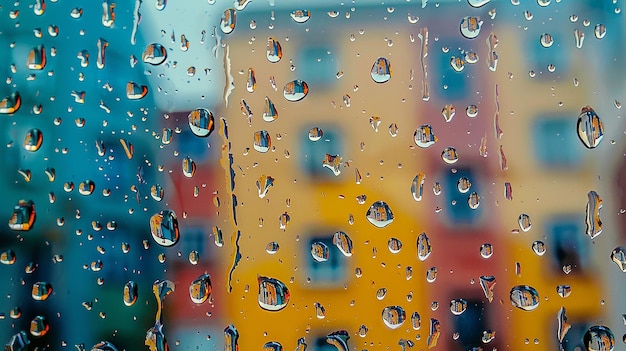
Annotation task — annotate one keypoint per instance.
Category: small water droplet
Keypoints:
(380, 214)
(381, 70)
(273, 294)
(154, 54)
(458, 306)
(470, 27)
(228, 21)
(524, 297)
(423, 247)
(200, 289)
(343, 242)
(23, 217)
(488, 283)
(39, 326)
(262, 141)
(431, 274)
(618, 255)
(300, 16)
(201, 122)
(272, 247)
(135, 91)
(599, 338)
(164, 228)
(424, 136)
(486, 250)
(563, 290)
(394, 245)
(524, 222)
(449, 155)
(539, 248)
(393, 316)
(320, 251)
(546, 40)
(274, 51)
(130, 294)
(592, 215)
(33, 140)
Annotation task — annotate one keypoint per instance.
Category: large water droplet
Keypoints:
(320, 251)
(41, 291)
(188, 167)
(381, 70)
(600, 30)
(200, 289)
(320, 311)
(164, 228)
(18, 342)
(449, 155)
(154, 54)
(8, 257)
(231, 338)
(379, 214)
(524, 222)
(423, 247)
(592, 215)
(10, 104)
(130, 294)
(563, 290)
(339, 339)
(33, 140)
(295, 90)
(135, 91)
(618, 255)
(273, 294)
(458, 306)
(39, 326)
(546, 40)
(524, 297)
(486, 250)
(157, 192)
(539, 248)
(273, 50)
(343, 243)
(263, 185)
(470, 27)
(393, 316)
(270, 113)
(394, 245)
(228, 21)
(590, 128)
(315, 133)
(599, 338)
(262, 141)
(424, 136)
(23, 217)
(201, 122)
(87, 187)
(36, 58)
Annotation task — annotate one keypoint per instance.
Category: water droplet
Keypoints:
(590, 127)
(332, 162)
(546, 40)
(228, 21)
(434, 333)
(36, 58)
(381, 70)
(375, 122)
(39, 326)
(273, 294)
(539, 247)
(154, 54)
(563, 290)
(272, 346)
(449, 155)
(423, 247)
(320, 251)
(10, 104)
(339, 339)
(486, 250)
(23, 217)
(320, 311)
(470, 27)
(33, 140)
(262, 141)
(592, 215)
(343, 243)
(471, 111)
(272, 247)
(478, 3)
(618, 255)
(41, 291)
(524, 297)
(201, 122)
(463, 185)
(524, 222)
(424, 136)
(270, 113)
(393, 316)
(87, 187)
(164, 228)
(315, 133)
(599, 338)
(563, 326)
(200, 289)
(273, 50)
(487, 283)
(458, 306)
(431, 274)
(473, 200)
(448, 112)
(394, 245)
(300, 16)
(600, 31)
(18, 342)
(157, 192)
(458, 65)
(295, 90)
(8, 257)
(130, 294)
(417, 186)
(135, 91)
(263, 185)
(379, 214)
(188, 167)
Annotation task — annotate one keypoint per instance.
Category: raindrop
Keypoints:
(473, 200)
(135, 91)
(300, 16)
(487, 283)
(273, 294)
(599, 338)
(41, 291)
(471, 111)
(458, 306)
(273, 51)
(23, 217)
(592, 215)
(201, 122)
(157, 192)
(417, 186)
(18, 342)
(164, 228)
(546, 40)
(315, 133)
(618, 255)
(295, 90)
(320, 311)
(524, 297)
(343, 243)
(270, 113)
(590, 128)
(449, 155)
(10, 104)
(539, 248)
(103, 346)
(600, 31)
(393, 316)
(424, 136)
(36, 58)
(188, 167)
(332, 162)
(272, 247)
(320, 251)
(379, 214)
(87, 187)
(33, 140)
(431, 274)
(339, 339)
(263, 185)
(524, 222)
(486, 250)
(423, 247)
(394, 245)
(381, 293)
(470, 27)
(262, 141)
(228, 21)
(130, 294)
(39, 326)
(448, 112)
(563, 290)
(478, 3)
(200, 289)
(381, 70)
(416, 321)
(154, 54)
(8, 257)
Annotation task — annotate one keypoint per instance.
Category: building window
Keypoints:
(313, 153)
(568, 243)
(471, 324)
(554, 142)
(457, 207)
(331, 271)
(319, 65)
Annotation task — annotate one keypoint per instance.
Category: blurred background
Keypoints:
(355, 175)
